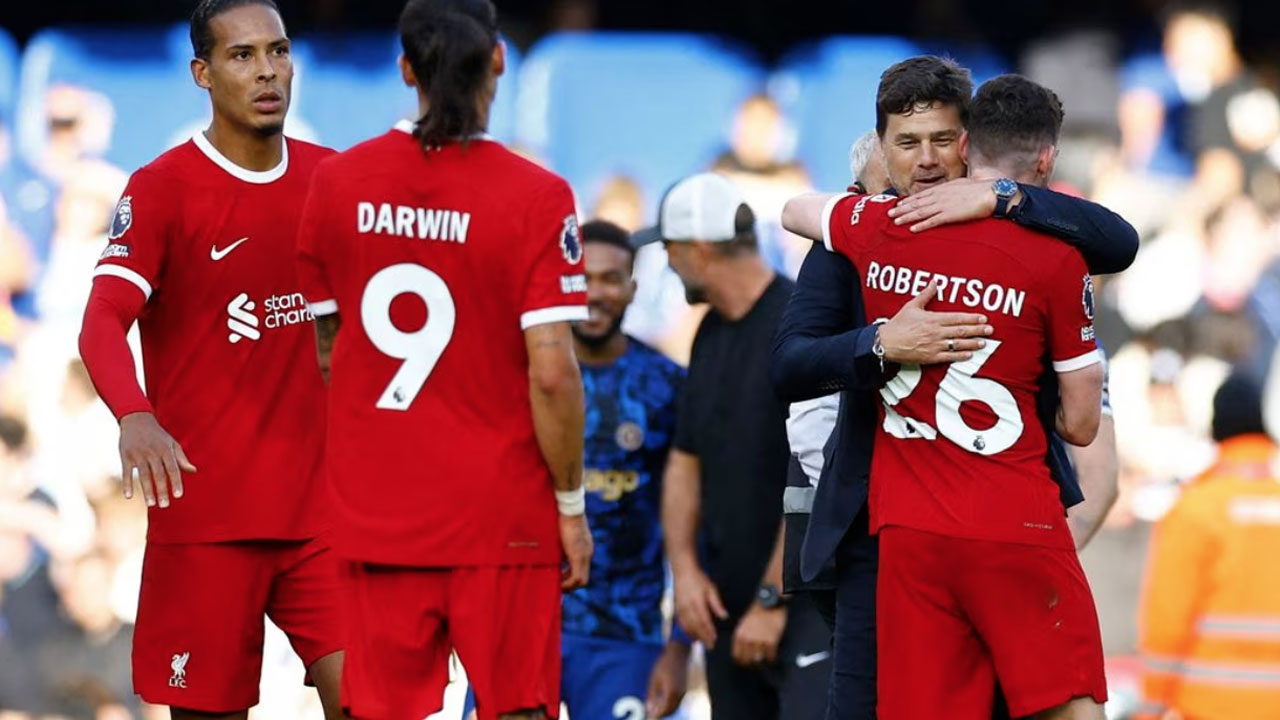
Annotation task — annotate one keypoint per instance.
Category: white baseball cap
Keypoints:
(699, 207)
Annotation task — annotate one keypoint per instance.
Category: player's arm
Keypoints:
(555, 393)
(123, 283)
(806, 215)
(326, 327)
(1108, 242)
(696, 597)
(1066, 289)
(756, 639)
(1079, 412)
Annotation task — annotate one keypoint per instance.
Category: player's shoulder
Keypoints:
(520, 171)
(177, 162)
(1036, 252)
(653, 358)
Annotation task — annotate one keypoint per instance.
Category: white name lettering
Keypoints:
(991, 297)
(413, 222)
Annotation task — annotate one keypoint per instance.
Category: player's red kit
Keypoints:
(436, 262)
(200, 252)
(978, 573)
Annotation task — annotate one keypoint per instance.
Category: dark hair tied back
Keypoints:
(449, 45)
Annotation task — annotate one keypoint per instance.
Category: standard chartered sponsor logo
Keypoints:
(277, 311)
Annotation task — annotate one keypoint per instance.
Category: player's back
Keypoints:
(437, 261)
(961, 448)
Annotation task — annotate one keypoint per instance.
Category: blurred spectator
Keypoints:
(16, 271)
(621, 202)
(79, 126)
(1211, 602)
(760, 161)
(28, 532)
(1235, 122)
(86, 665)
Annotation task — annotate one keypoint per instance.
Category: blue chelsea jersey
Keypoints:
(630, 420)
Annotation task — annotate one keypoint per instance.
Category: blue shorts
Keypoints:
(603, 679)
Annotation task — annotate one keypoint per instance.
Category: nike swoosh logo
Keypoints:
(215, 254)
(804, 661)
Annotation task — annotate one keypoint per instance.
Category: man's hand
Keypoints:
(955, 201)
(575, 538)
(755, 641)
(157, 457)
(697, 599)
(668, 681)
(916, 336)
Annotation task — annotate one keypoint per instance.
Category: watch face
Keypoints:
(1004, 187)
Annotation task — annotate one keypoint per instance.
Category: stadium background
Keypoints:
(621, 98)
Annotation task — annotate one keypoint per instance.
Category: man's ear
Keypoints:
(499, 58)
(406, 72)
(964, 147)
(1046, 161)
(200, 73)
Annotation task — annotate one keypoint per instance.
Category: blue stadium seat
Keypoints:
(8, 77)
(143, 72)
(650, 106)
(348, 88)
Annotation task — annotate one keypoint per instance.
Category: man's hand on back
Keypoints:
(916, 336)
(158, 458)
(575, 538)
(955, 201)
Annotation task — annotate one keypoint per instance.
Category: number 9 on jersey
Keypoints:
(421, 349)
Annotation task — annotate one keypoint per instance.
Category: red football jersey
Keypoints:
(961, 450)
(228, 349)
(436, 263)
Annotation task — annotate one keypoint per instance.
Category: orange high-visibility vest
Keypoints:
(1210, 616)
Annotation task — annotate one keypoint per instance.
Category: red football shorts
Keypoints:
(954, 615)
(504, 623)
(197, 644)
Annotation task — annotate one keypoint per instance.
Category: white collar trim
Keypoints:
(408, 126)
(250, 176)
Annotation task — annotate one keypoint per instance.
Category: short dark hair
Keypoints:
(205, 12)
(1011, 115)
(605, 232)
(448, 43)
(922, 80)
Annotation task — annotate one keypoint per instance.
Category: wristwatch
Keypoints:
(769, 596)
(1005, 189)
(877, 347)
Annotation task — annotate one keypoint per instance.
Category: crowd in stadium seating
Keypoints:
(1184, 142)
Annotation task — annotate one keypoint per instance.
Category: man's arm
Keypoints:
(556, 396)
(697, 599)
(1107, 242)
(1098, 468)
(326, 332)
(1080, 404)
(756, 639)
(145, 447)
